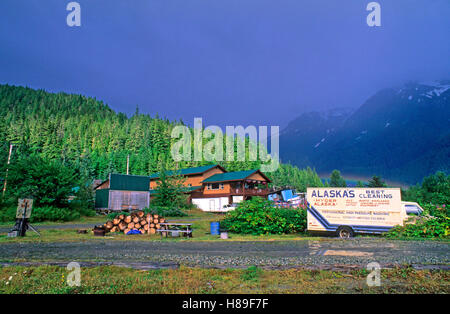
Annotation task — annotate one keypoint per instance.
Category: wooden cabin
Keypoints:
(193, 176)
(230, 187)
(209, 187)
(212, 187)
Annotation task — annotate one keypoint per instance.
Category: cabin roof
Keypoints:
(234, 176)
(187, 171)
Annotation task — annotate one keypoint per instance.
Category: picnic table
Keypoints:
(174, 228)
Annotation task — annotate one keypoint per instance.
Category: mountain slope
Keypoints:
(302, 136)
(401, 134)
(86, 134)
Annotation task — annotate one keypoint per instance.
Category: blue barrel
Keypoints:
(215, 228)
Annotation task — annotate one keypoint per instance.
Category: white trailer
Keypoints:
(346, 211)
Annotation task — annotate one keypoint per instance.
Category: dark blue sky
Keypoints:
(260, 62)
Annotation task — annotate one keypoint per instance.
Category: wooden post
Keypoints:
(7, 168)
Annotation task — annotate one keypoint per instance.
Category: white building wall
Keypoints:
(211, 204)
(237, 199)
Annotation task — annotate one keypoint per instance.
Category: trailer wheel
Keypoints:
(344, 232)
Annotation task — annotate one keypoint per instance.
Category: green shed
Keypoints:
(123, 192)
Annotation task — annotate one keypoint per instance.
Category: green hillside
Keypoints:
(86, 135)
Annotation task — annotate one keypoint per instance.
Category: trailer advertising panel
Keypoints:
(364, 210)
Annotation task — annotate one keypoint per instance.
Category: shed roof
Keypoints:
(233, 176)
(128, 182)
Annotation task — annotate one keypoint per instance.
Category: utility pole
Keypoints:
(7, 168)
(128, 164)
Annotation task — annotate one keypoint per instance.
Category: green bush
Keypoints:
(81, 209)
(49, 213)
(435, 189)
(430, 228)
(84, 200)
(48, 182)
(436, 211)
(190, 206)
(8, 214)
(296, 219)
(84, 197)
(437, 226)
(258, 216)
(165, 211)
(86, 212)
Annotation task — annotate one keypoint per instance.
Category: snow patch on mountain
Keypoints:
(438, 88)
(321, 141)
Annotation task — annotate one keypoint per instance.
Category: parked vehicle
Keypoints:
(412, 208)
(347, 211)
(229, 207)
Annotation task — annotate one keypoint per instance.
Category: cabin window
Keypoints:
(215, 186)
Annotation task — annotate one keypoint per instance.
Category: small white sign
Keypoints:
(25, 205)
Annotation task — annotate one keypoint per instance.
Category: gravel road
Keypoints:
(48, 227)
(270, 254)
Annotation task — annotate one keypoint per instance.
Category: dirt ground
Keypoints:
(224, 254)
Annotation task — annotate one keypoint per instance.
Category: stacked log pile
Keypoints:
(145, 223)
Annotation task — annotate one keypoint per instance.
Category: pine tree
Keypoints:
(359, 184)
(47, 182)
(336, 180)
(376, 182)
(169, 190)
